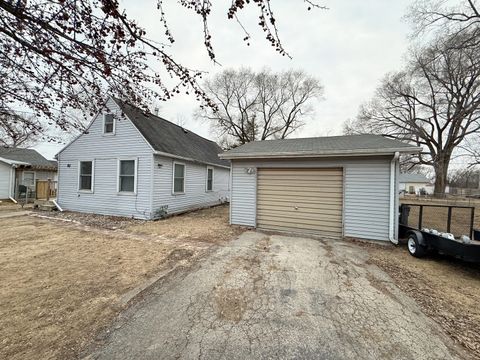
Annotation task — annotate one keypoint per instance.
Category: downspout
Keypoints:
(391, 230)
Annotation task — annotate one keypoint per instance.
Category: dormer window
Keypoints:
(108, 124)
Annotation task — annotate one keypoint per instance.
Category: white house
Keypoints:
(20, 169)
(415, 184)
(339, 186)
(136, 164)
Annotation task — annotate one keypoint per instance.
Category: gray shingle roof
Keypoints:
(29, 156)
(415, 178)
(170, 138)
(331, 145)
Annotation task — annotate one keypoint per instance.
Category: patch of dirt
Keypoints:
(180, 254)
(231, 304)
(447, 290)
(8, 206)
(100, 221)
(208, 225)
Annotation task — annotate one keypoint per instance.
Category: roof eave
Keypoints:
(161, 153)
(356, 152)
(14, 162)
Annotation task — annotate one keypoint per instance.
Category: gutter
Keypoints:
(160, 153)
(391, 230)
(356, 152)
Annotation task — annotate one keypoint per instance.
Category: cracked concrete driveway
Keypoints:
(270, 296)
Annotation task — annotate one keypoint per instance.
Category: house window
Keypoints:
(209, 179)
(178, 178)
(29, 179)
(108, 124)
(86, 175)
(126, 176)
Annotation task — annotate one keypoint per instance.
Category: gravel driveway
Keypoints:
(271, 296)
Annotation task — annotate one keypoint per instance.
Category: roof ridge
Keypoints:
(323, 137)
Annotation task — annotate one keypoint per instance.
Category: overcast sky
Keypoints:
(349, 47)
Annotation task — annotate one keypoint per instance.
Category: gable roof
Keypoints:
(321, 146)
(171, 139)
(413, 178)
(27, 157)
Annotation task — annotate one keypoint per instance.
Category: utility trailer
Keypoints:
(460, 239)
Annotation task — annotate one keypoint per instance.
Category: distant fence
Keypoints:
(458, 220)
(447, 199)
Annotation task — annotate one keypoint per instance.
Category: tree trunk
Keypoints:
(441, 172)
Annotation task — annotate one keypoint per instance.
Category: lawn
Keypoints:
(63, 281)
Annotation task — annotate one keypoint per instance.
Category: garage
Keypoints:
(300, 200)
(333, 187)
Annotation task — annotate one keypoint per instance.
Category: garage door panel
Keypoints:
(294, 201)
(319, 217)
(290, 205)
(336, 194)
(303, 171)
(300, 186)
(316, 194)
(335, 210)
(301, 228)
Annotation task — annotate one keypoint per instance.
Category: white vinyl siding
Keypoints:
(106, 151)
(243, 194)
(366, 192)
(195, 178)
(5, 180)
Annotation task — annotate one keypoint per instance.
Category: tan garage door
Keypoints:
(300, 200)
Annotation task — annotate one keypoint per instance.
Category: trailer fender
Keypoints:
(418, 235)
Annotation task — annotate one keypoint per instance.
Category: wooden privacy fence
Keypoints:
(45, 189)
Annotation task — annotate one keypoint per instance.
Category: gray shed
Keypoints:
(339, 186)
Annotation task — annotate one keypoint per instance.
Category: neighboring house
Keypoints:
(414, 183)
(129, 163)
(23, 167)
(328, 186)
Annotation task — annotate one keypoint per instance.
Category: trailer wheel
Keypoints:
(414, 247)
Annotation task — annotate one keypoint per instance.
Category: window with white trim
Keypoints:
(85, 175)
(209, 179)
(178, 178)
(126, 176)
(108, 124)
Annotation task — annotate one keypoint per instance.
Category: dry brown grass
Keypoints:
(446, 289)
(209, 225)
(436, 217)
(61, 282)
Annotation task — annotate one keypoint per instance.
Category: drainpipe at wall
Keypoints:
(391, 230)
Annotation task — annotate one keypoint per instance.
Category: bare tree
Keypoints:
(253, 106)
(434, 103)
(19, 129)
(57, 56)
(442, 17)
